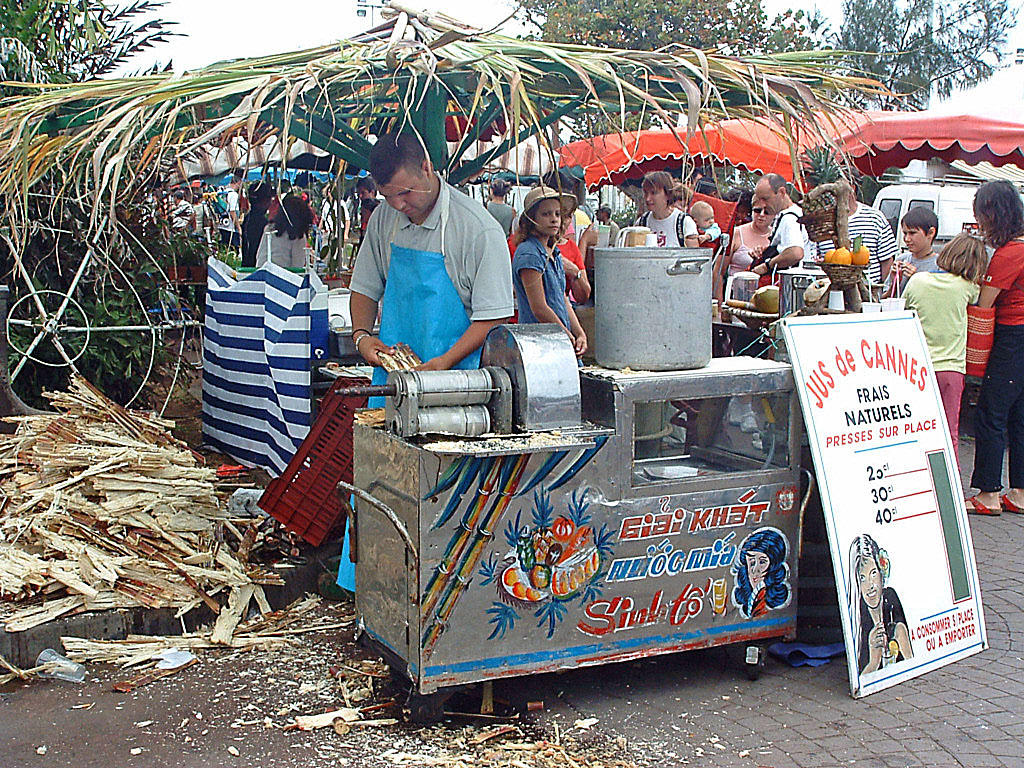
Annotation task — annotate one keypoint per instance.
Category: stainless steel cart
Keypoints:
(667, 519)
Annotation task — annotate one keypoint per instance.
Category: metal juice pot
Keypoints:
(792, 284)
(653, 308)
(741, 286)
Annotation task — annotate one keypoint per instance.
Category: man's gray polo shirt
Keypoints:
(475, 253)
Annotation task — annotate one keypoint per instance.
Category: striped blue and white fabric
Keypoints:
(263, 331)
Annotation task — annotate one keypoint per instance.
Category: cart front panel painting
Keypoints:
(581, 554)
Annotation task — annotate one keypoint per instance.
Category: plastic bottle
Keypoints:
(63, 668)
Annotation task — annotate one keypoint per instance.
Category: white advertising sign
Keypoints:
(894, 507)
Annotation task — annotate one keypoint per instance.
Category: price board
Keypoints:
(890, 489)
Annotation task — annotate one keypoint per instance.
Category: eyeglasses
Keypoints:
(759, 210)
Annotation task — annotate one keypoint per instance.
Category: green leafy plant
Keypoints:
(229, 256)
(626, 216)
(74, 40)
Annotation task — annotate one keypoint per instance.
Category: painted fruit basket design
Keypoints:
(551, 562)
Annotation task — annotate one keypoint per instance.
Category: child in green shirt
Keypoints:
(941, 300)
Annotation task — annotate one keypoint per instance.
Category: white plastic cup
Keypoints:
(651, 241)
(893, 305)
(62, 667)
(835, 300)
(870, 306)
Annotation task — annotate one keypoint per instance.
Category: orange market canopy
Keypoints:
(618, 157)
(874, 141)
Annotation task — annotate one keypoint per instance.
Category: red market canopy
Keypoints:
(874, 141)
(885, 140)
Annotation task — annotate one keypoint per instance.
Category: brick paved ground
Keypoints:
(696, 706)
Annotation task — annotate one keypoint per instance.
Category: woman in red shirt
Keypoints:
(576, 283)
(1000, 214)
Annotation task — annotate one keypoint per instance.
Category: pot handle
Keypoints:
(685, 267)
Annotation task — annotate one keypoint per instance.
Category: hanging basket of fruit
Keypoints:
(827, 212)
(820, 218)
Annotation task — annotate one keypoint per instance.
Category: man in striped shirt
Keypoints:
(873, 229)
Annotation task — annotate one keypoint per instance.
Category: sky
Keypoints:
(215, 30)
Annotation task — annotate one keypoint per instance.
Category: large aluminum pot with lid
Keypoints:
(652, 308)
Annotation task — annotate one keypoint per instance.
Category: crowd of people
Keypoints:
(263, 221)
(430, 263)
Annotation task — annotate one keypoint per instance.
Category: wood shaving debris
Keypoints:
(370, 417)
(270, 631)
(105, 509)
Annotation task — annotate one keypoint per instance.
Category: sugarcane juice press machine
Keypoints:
(576, 517)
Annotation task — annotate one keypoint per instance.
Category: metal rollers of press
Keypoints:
(465, 403)
(528, 381)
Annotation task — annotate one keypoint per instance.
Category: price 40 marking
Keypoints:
(885, 515)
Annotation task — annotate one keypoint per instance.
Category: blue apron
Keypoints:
(420, 305)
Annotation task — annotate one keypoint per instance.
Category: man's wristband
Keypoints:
(356, 338)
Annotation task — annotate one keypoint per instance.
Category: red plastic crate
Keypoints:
(303, 498)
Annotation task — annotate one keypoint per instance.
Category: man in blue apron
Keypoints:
(434, 261)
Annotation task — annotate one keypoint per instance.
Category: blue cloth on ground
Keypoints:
(803, 655)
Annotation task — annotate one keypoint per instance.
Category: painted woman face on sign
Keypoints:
(757, 566)
(870, 583)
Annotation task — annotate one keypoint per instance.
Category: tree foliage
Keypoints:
(915, 45)
(74, 40)
(735, 27)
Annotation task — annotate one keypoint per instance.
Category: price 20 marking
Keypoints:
(877, 473)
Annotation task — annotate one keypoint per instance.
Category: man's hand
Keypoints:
(760, 269)
(438, 363)
(369, 347)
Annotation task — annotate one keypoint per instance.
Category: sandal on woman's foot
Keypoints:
(977, 508)
(1009, 506)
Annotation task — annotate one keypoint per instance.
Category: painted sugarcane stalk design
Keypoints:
(466, 475)
(448, 477)
(511, 474)
(581, 462)
(490, 472)
(543, 471)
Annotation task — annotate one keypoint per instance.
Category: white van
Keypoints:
(952, 203)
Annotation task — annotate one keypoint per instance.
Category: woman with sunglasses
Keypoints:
(750, 239)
